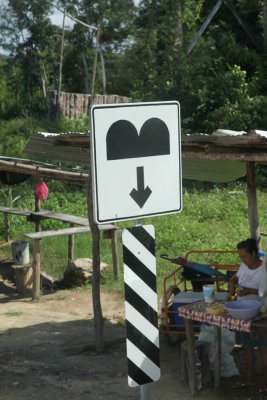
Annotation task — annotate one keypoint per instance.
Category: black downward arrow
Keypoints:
(140, 195)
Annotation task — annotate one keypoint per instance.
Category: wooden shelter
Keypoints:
(222, 156)
(225, 154)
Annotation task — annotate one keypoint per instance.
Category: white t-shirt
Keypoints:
(249, 278)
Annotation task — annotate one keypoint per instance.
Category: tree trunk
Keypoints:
(103, 71)
(86, 80)
(265, 25)
(98, 318)
(95, 65)
(180, 35)
(60, 64)
(43, 80)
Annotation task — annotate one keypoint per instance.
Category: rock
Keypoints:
(79, 272)
(47, 281)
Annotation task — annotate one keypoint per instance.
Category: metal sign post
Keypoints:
(136, 171)
(143, 392)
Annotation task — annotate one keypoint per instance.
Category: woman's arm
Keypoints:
(231, 284)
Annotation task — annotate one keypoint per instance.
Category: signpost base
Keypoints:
(143, 392)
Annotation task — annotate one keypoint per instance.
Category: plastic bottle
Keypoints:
(198, 371)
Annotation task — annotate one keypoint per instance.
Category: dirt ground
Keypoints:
(43, 352)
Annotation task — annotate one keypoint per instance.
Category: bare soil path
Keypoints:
(44, 356)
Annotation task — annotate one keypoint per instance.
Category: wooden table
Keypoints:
(197, 312)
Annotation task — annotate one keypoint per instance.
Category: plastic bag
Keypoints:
(228, 367)
(41, 190)
(263, 283)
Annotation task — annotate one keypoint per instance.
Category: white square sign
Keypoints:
(136, 160)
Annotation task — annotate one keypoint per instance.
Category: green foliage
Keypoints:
(14, 133)
(221, 83)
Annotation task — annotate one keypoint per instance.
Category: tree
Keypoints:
(28, 35)
(208, 79)
(114, 21)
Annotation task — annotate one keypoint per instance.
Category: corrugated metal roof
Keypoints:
(67, 147)
(212, 170)
(216, 157)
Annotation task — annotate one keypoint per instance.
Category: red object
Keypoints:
(41, 191)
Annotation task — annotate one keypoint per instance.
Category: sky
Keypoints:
(57, 19)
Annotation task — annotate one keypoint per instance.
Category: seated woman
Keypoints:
(248, 279)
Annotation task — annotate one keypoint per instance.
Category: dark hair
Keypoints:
(250, 245)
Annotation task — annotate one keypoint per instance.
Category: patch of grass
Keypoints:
(13, 313)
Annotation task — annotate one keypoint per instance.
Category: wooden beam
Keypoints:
(77, 178)
(252, 201)
(217, 155)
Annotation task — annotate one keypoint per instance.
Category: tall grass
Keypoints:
(214, 218)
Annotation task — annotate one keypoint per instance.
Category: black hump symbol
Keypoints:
(123, 140)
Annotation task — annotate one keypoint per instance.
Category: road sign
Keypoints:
(136, 160)
(141, 305)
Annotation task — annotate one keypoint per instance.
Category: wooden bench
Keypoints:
(37, 236)
(47, 214)
(36, 251)
(110, 231)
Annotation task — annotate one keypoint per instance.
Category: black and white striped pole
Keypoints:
(141, 306)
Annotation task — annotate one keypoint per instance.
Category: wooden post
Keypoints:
(36, 265)
(191, 355)
(252, 201)
(115, 257)
(217, 370)
(6, 227)
(71, 247)
(98, 317)
(37, 207)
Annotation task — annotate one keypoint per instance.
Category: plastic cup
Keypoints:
(208, 292)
